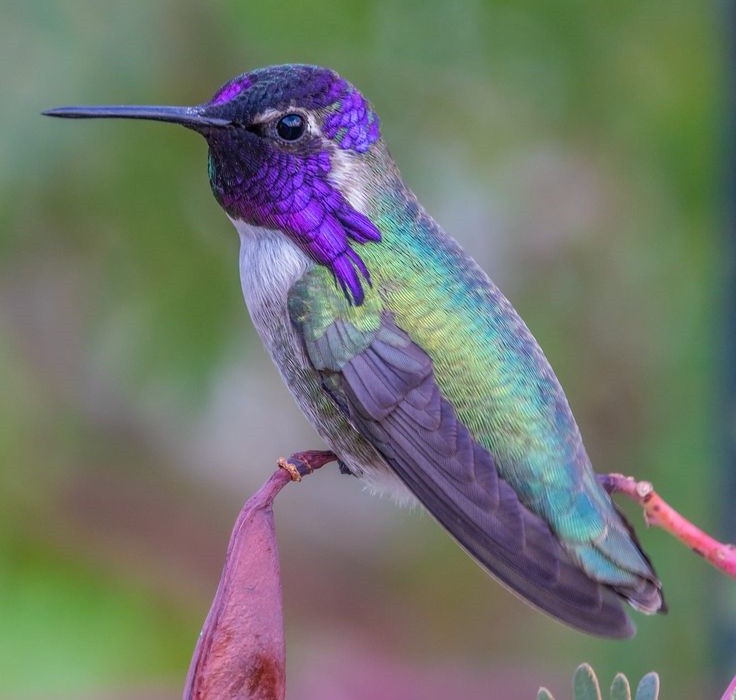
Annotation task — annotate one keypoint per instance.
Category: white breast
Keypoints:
(269, 264)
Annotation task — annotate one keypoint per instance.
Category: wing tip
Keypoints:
(610, 621)
(626, 629)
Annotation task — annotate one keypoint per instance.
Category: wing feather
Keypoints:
(386, 384)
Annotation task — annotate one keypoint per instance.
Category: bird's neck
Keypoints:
(270, 261)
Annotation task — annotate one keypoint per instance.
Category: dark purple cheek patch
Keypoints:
(292, 193)
(353, 125)
(231, 90)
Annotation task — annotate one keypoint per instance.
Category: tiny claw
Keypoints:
(303, 463)
(292, 469)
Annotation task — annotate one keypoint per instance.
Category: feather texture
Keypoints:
(391, 396)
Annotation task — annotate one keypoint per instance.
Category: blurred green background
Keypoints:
(574, 148)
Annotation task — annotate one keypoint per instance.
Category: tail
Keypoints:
(618, 561)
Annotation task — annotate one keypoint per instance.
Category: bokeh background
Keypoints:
(576, 149)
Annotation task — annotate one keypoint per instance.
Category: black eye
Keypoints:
(290, 127)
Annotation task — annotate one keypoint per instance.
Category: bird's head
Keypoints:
(291, 148)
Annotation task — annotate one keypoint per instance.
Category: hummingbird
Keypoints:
(409, 362)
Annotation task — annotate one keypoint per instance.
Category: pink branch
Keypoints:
(730, 693)
(240, 652)
(659, 513)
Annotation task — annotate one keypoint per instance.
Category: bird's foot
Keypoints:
(302, 463)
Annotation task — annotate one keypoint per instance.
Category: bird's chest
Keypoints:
(269, 265)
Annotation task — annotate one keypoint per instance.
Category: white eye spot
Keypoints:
(348, 175)
(266, 116)
(313, 127)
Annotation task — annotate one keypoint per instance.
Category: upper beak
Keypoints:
(191, 117)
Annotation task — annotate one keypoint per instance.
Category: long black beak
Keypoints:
(191, 117)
